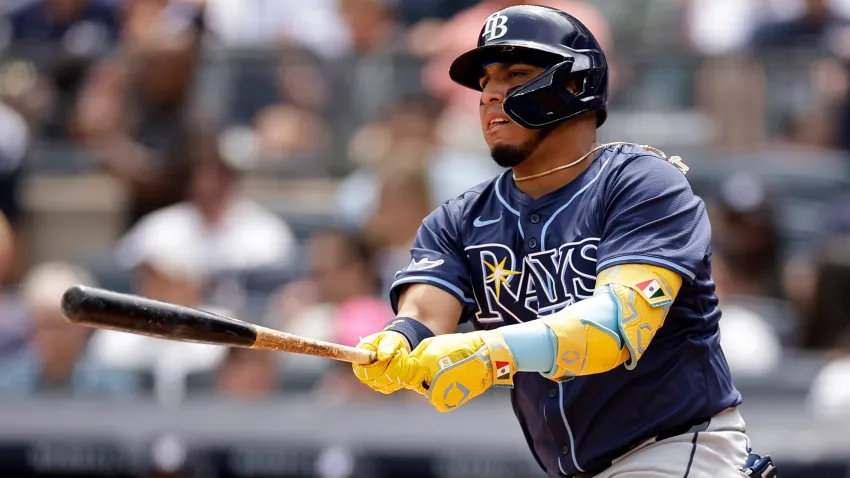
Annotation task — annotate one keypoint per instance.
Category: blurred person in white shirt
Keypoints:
(167, 266)
(315, 24)
(230, 231)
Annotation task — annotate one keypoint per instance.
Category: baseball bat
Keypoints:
(105, 309)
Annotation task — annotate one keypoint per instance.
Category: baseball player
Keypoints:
(586, 270)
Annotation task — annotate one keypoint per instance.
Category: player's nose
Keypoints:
(493, 94)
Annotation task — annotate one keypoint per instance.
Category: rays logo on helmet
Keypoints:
(495, 27)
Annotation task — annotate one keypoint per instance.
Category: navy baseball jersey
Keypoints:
(510, 258)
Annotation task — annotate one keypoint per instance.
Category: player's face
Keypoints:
(510, 144)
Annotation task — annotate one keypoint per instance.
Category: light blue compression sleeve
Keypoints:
(533, 344)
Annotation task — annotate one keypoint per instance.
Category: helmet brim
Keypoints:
(466, 70)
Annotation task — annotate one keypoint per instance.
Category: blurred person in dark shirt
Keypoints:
(818, 285)
(62, 39)
(810, 29)
(376, 37)
(135, 111)
(746, 238)
(829, 327)
(745, 263)
(96, 21)
(56, 358)
(411, 12)
(15, 140)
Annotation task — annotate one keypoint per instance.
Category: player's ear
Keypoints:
(575, 83)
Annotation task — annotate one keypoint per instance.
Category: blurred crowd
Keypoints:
(181, 103)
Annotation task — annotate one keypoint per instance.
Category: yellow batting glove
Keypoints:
(452, 369)
(384, 375)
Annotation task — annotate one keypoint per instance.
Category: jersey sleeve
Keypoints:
(437, 258)
(653, 217)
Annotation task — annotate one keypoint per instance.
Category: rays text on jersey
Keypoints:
(511, 290)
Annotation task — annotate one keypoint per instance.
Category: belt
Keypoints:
(675, 431)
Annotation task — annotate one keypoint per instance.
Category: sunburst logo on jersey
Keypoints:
(499, 274)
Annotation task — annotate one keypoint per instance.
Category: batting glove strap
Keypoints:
(504, 364)
(413, 330)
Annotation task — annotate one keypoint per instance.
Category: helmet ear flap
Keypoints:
(543, 100)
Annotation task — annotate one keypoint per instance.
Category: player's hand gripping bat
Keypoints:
(104, 309)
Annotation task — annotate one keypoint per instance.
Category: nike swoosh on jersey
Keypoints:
(478, 222)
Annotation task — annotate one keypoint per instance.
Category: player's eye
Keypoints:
(483, 82)
(517, 73)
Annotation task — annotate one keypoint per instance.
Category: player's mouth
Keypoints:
(496, 122)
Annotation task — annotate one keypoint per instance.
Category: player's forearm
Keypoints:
(534, 344)
(435, 308)
(597, 334)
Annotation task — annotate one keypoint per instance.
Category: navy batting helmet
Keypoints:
(545, 37)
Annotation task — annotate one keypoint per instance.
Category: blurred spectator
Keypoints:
(717, 27)
(56, 359)
(829, 395)
(745, 238)
(7, 249)
(745, 245)
(227, 231)
(135, 111)
(403, 202)
(829, 319)
(751, 345)
(829, 329)
(415, 13)
(409, 136)
(356, 318)
(341, 276)
(372, 26)
(168, 266)
(286, 132)
(316, 25)
(362, 83)
(247, 373)
(301, 81)
(62, 38)
(15, 142)
(810, 28)
(813, 282)
(77, 26)
(14, 322)
(277, 107)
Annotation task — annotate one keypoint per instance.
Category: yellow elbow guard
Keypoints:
(642, 295)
